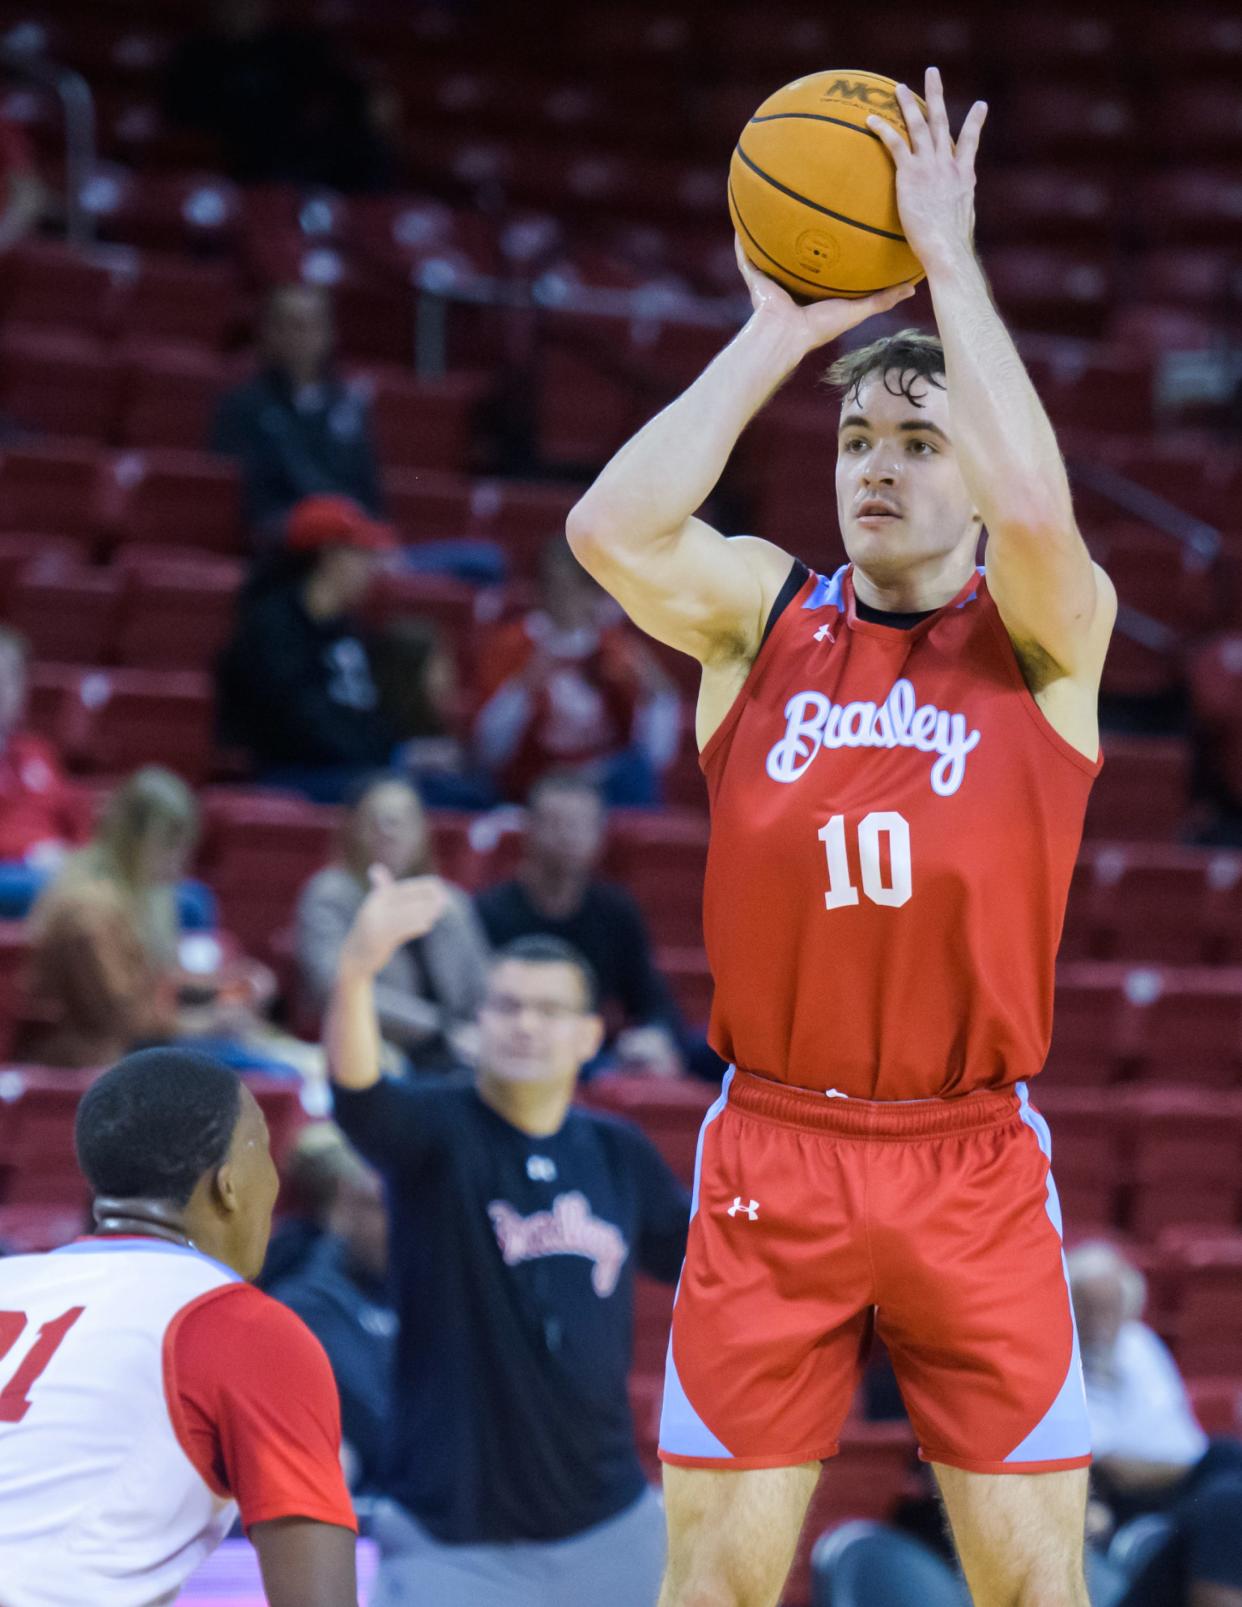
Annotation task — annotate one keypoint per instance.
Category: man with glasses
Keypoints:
(517, 1224)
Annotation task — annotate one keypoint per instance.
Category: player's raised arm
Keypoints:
(393, 913)
(635, 530)
(1053, 600)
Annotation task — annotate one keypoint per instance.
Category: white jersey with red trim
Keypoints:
(99, 1503)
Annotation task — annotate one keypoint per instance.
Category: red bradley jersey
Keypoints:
(894, 828)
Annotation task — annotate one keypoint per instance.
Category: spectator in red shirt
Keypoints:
(571, 686)
(40, 817)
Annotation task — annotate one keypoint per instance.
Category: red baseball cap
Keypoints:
(325, 521)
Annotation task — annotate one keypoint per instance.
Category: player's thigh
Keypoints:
(1019, 1535)
(732, 1535)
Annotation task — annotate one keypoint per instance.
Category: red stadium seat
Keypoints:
(170, 396)
(661, 859)
(1205, 1277)
(1152, 904)
(450, 603)
(424, 423)
(1217, 1403)
(195, 213)
(141, 717)
(1068, 290)
(66, 384)
(1143, 790)
(521, 516)
(30, 1228)
(1198, 276)
(183, 499)
(69, 614)
(63, 286)
(181, 302)
(1046, 117)
(1187, 1025)
(176, 615)
(18, 550)
(41, 1163)
(52, 488)
(1192, 204)
(1087, 1159)
(1089, 1040)
(259, 849)
(1038, 204)
(1185, 1159)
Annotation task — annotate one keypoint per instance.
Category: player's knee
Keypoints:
(1048, 1582)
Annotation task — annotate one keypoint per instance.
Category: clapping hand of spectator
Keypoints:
(393, 913)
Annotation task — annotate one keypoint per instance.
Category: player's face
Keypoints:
(901, 498)
(256, 1183)
(535, 1024)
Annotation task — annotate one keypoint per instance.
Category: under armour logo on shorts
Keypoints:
(751, 1208)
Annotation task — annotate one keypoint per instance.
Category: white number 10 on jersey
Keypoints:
(871, 828)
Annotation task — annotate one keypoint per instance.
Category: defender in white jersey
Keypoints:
(147, 1391)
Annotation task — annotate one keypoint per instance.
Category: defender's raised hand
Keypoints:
(819, 322)
(935, 174)
(392, 914)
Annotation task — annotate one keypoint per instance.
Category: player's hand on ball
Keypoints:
(393, 913)
(935, 175)
(821, 321)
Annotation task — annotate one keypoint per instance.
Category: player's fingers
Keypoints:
(916, 123)
(746, 270)
(937, 114)
(887, 136)
(968, 139)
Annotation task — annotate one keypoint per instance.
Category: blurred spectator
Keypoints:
(518, 1223)
(429, 992)
(297, 428)
(111, 967)
(39, 814)
(281, 103)
(313, 1167)
(573, 685)
(556, 893)
(1150, 1453)
(420, 695)
(295, 686)
(341, 1294)
(22, 195)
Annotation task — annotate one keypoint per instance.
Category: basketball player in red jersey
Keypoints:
(898, 759)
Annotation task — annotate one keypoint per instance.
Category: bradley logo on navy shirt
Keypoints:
(569, 1228)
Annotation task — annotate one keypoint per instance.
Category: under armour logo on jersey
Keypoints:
(540, 1169)
(751, 1208)
(824, 634)
(814, 721)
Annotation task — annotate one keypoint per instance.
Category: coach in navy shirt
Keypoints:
(518, 1224)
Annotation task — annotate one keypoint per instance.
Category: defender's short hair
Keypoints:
(154, 1124)
(901, 360)
(540, 948)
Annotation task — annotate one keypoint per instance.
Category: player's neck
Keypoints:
(919, 589)
(535, 1108)
(146, 1219)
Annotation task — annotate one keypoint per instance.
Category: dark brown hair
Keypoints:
(902, 359)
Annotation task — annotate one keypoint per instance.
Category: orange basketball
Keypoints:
(812, 191)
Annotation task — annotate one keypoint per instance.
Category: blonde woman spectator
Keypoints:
(428, 993)
(111, 966)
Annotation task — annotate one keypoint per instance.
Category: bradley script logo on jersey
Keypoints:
(569, 1228)
(814, 721)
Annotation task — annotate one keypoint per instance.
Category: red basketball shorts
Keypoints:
(814, 1214)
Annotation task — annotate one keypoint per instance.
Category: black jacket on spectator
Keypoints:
(292, 445)
(294, 690)
(350, 1315)
(608, 928)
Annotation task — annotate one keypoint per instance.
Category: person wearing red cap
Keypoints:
(295, 685)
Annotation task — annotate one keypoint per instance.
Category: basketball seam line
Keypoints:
(837, 290)
(793, 195)
(815, 117)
